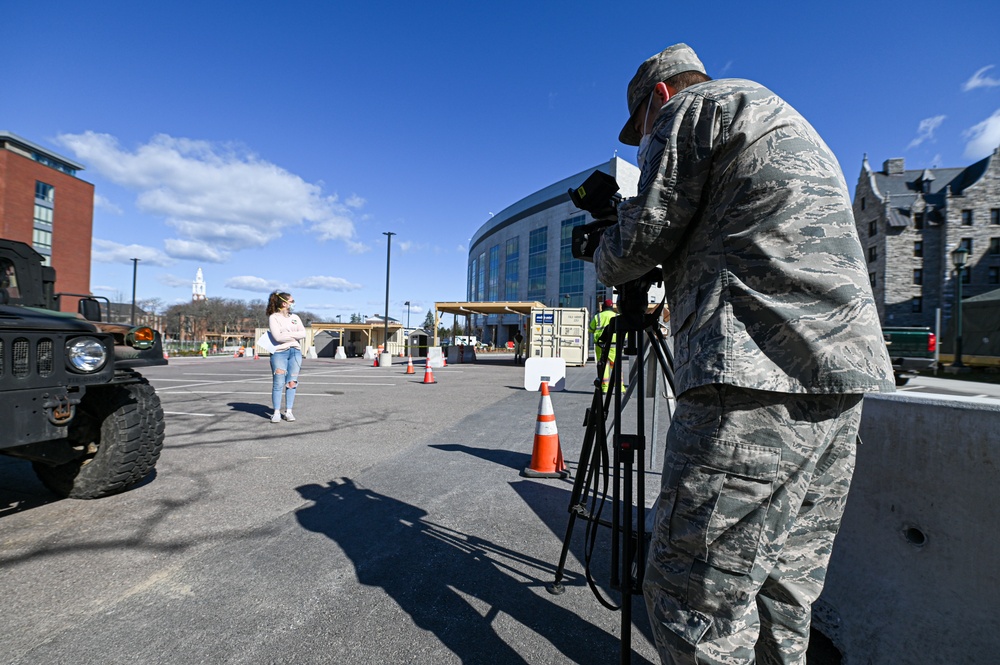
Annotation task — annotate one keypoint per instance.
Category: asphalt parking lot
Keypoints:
(388, 524)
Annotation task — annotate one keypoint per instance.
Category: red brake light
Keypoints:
(931, 342)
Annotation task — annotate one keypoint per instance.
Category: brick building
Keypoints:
(44, 203)
(909, 223)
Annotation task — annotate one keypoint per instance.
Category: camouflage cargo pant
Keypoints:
(754, 486)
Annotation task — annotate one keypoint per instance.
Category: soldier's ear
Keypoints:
(664, 92)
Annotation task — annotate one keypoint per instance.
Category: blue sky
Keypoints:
(271, 144)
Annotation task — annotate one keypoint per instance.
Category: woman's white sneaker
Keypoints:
(289, 417)
(276, 417)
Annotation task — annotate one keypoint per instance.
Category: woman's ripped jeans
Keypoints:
(285, 374)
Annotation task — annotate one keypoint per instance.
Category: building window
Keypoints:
(994, 246)
(42, 222)
(862, 203)
(967, 276)
(473, 271)
(43, 216)
(872, 279)
(966, 218)
(872, 228)
(918, 276)
(917, 305)
(510, 273)
(481, 280)
(42, 240)
(994, 275)
(45, 192)
(967, 244)
(995, 216)
(538, 245)
(493, 283)
(570, 269)
(918, 249)
(918, 221)
(872, 253)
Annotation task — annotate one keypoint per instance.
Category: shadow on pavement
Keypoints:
(426, 568)
(20, 488)
(507, 458)
(253, 409)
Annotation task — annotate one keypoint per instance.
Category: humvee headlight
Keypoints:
(85, 354)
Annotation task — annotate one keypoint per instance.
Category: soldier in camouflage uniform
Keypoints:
(776, 339)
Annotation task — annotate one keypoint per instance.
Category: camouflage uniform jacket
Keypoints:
(746, 209)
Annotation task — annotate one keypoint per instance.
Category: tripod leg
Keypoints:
(584, 476)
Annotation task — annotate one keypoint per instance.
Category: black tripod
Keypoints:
(629, 537)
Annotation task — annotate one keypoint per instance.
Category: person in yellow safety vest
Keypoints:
(597, 326)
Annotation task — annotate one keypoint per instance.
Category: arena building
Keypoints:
(523, 254)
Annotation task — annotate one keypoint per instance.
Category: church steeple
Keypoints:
(198, 287)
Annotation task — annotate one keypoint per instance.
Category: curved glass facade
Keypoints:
(524, 253)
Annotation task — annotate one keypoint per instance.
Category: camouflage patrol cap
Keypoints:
(671, 61)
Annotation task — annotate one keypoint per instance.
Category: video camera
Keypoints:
(599, 196)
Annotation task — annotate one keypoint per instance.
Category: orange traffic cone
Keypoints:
(375, 364)
(409, 365)
(546, 455)
(429, 374)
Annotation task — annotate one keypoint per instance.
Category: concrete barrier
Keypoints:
(915, 572)
(434, 357)
(550, 370)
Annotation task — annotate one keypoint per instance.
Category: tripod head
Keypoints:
(632, 318)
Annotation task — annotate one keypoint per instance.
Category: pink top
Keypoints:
(286, 330)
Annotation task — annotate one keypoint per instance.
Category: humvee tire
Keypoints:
(120, 428)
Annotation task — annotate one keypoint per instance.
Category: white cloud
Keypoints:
(101, 287)
(194, 251)
(410, 246)
(357, 247)
(462, 248)
(354, 201)
(925, 132)
(984, 137)
(251, 283)
(213, 193)
(108, 251)
(980, 80)
(329, 283)
(174, 280)
(106, 205)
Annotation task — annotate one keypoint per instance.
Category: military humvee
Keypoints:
(71, 400)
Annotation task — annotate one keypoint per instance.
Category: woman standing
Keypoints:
(286, 359)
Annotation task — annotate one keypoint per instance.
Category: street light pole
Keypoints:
(407, 303)
(388, 251)
(135, 268)
(958, 259)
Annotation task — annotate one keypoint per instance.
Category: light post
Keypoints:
(407, 303)
(135, 268)
(958, 259)
(388, 251)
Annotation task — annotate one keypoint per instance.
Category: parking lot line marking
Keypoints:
(297, 394)
(162, 379)
(182, 413)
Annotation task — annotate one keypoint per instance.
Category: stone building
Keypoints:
(909, 222)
